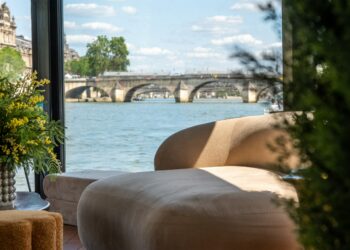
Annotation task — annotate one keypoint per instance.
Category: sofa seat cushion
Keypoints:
(210, 208)
(69, 186)
(63, 191)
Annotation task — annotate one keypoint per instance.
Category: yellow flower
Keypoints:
(35, 99)
(32, 142)
(14, 123)
(5, 150)
(22, 149)
(15, 157)
(2, 95)
(47, 140)
(10, 140)
(51, 153)
(34, 80)
(16, 106)
(41, 122)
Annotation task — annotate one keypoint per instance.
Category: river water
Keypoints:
(126, 136)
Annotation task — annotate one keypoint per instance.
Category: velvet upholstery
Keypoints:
(242, 141)
(214, 190)
(30, 230)
(63, 191)
(197, 209)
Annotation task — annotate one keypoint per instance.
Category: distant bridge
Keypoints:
(122, 88)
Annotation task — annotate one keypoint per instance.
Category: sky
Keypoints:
(165, 36)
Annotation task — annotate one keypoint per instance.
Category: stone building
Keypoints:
(24, 46)
(69, 53)
(7, 28)
(8, 38)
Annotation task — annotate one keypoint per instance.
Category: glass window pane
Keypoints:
(118, 113)
(16, 53)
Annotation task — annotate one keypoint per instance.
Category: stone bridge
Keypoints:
(122, 88)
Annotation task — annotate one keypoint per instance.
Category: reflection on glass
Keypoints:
(16, 55)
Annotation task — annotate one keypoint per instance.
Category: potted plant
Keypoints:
(27, 136)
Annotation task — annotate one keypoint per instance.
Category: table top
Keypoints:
(30, 201)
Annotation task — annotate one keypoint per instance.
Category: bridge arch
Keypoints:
(198, 87)
(129, 95)
(78, 91)
(131, 92)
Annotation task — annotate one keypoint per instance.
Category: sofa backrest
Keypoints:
(246, 141)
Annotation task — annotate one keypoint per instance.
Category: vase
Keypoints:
(7, 187)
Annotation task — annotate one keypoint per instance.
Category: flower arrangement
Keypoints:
(27, 136)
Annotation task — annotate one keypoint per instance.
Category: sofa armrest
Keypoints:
(200, 146)
(236, 142)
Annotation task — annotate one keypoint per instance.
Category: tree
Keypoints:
(11, 63)
(321, 77)
(107, 54)
(78, 67)
(320, 84)
(119, 55)
(98, 55)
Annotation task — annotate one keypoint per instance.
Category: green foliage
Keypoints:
(119, 53)
(27, 136)
(78, 67)
(321, 85)
(107, 54)
(11, 63)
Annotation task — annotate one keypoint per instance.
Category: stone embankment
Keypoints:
(99, 99)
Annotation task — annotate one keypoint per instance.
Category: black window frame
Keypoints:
(48, 62)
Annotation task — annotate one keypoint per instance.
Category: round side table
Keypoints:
(30, 201)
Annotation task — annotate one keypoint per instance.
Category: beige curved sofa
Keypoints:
(214, 189)
(233, 142)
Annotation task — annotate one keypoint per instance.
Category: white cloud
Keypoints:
(200, 52)
(275, 45)
(154, 51)
(89, 9)
(70, 25)
(217, 30)
(226, 19)
(101, 26)
(80, 39)
(241, 39)
(130, 46)
(218, 25)
(245, 6)
(129, 10)
(137, 58)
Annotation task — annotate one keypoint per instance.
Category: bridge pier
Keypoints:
(182, 93)
(250, 94)
(118, 93)
(84, 95)
(93, 93)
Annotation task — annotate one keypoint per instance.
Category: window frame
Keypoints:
(48, 62)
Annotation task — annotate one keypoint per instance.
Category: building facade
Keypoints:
(8, 38)
(69, 53)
